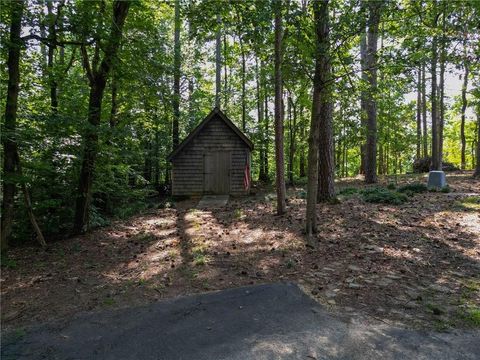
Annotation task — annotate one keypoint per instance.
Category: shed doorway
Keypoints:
(216, 165)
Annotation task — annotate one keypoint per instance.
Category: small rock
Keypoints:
(353, 285)
(331, 302)
(353, 268)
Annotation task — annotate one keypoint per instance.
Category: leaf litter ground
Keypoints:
(416, 264)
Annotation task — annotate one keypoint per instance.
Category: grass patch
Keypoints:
(435, 309)
(472, 316)
(383, 196)
(470, 203)
(413, 188)
(109, 302)
(348, 191)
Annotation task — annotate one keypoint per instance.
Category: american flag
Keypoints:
(246, 174)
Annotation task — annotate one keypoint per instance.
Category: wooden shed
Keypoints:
(213, 159)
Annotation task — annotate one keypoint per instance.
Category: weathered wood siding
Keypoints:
(188, 165)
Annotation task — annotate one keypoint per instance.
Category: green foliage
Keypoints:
(413, 188)
(383, 196)
(391, 186)
(348, 191)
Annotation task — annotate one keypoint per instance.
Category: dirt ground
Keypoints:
(415, 264)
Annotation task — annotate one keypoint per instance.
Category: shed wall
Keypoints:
(187, 166)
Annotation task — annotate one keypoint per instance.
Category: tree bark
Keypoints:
(476, 174)
(464, 104)
(260, 113)
(8, 134)
(52, 36)
(436, 164)
(370, 104)
(279, 145)
(441, 90)
(176, 77)
(363, 97)
(218, 63)
(320, 12)
(98, 79)
(302, 171)
(267, 136)
(424, 113)
(326, 166)
(419, 115)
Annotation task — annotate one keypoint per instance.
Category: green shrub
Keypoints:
(413, 188)
(446, 189)
(391, 186)
(348, 191)
(383, 196)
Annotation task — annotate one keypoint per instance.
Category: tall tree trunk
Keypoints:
(419, 115)
(260, 113)
(8, 135)
(218, 63)
(97, 79)
(477, 163)
(363, 97)
(302, 170)
(441, 90)
(292, 114)
(279, 150)
(371, 105)
(321, 21)
(225, 72)
(436, 164)
(424, 113)
(267, 136)
(52, 36)
(176, 77)
(464, 103)
(244, 91)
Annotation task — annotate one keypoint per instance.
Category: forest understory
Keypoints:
(415, 264)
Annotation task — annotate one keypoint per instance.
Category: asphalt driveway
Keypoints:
(274, 321)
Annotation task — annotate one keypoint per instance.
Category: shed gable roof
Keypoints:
(198, 129)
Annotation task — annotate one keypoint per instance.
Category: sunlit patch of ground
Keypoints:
(417, 264)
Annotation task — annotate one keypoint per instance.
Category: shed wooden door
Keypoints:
(217, 172)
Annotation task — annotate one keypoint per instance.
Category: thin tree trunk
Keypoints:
(225, 72)
(424, 113)
(371, 105)
(28, 204)
(302, 170)
(293, 147)
(176, 77)
(218, 63)
(477, 163)
(441, 91)
(52, 36)
(363, 98)
(260, 113)
(279, 150)
(8, 134)
(244, 91)
(464, 105)
(267, 136)
(98, 79)
(419, 114)
(436, 165)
